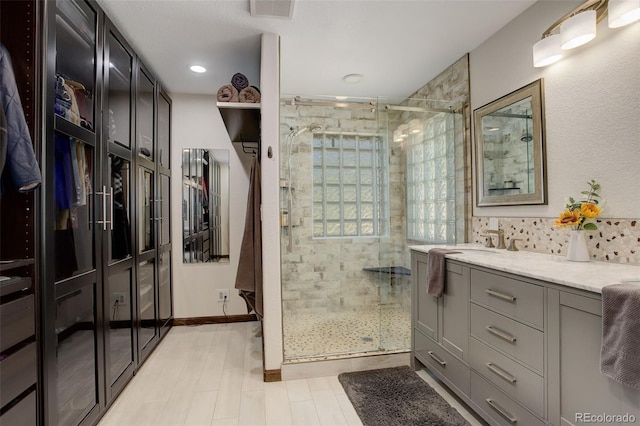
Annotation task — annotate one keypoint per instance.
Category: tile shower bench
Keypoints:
(517, 335)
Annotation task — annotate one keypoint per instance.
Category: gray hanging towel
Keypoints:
(619, 356)
(436, 273)
(249, 276)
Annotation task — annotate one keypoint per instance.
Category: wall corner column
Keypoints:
(270, 134)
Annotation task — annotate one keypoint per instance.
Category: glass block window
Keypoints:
(349, 185)
(431, 181)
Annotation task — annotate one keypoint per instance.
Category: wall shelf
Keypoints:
(242, 121)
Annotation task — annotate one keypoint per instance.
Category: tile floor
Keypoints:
(212, 375)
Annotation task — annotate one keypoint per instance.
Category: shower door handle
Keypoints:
(290, 227)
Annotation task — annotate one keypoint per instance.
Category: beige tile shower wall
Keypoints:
(616, 240)
(325, 275)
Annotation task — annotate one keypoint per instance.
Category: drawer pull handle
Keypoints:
(501, 334)
(438, 360)
(500, 372)
(504, 413)
(500, 295)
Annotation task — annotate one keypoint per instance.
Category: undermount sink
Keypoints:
(479, 249)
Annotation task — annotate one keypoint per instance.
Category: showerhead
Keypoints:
(313, 127)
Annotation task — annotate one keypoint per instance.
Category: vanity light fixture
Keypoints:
(547, 51)
(579, 27)
(578, 30)
(415, 126)
(199, 69)
(623, 12)
(403, 130)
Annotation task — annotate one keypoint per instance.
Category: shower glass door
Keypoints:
(426, 177)
(334, 193)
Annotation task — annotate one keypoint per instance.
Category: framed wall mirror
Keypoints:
(509, 149)
(205, 205)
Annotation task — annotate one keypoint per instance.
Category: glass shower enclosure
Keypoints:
(344, 220)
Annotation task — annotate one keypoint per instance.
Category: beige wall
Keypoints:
(592, 99)
(198, 124)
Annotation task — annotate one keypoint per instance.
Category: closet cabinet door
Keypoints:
(148, 207)
(120, 273)
(74, 216)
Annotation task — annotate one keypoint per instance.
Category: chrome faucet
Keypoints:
(500, 232)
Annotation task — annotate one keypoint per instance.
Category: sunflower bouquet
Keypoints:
(580, 214)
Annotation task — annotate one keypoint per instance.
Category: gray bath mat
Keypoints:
(397, 396)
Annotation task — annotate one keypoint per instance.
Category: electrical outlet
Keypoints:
(121, 298)
(493, 223)
(223, 294)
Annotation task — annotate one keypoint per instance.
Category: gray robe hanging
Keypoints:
(249, 276)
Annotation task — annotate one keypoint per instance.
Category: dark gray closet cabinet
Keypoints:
(102, 213)
(19, 260)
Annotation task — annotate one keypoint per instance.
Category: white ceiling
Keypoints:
(397, 45)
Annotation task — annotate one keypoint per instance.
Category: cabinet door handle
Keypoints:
(438, 360)
(504, 413)
(500, 372)
(500, 295)
(111, 221)
(501, 334)
(104, 220)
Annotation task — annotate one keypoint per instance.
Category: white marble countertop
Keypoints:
(591, 276)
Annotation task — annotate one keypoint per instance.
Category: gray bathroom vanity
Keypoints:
(517, 336)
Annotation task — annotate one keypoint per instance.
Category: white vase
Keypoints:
(578, 251)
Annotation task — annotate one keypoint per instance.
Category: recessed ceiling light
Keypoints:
(353, 78)
(198, 69)
(342, 98)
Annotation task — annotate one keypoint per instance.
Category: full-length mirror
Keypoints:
(509, 143)
(205, 205)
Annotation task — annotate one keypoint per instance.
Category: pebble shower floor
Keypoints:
(328, 334)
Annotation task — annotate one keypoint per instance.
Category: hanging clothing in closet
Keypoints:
(16, 148)
(249, 276)
(73, 188)
(120, 235)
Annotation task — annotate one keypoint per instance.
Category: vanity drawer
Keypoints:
(18, 372)
(497, 405)
(17, 322)
(518, 299)
(516, 339)
(442, 362)
(513, 378)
